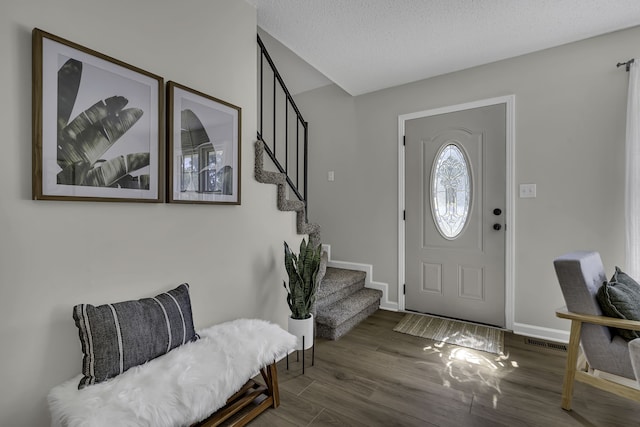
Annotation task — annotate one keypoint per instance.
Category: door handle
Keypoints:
(497, 227)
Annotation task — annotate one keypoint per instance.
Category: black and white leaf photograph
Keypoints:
(100, 128)
(203, 148)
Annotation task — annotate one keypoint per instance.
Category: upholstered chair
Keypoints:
(608, 361)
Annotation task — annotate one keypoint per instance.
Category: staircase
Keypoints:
(342, 301)
(284, 204)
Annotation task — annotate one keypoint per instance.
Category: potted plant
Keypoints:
(301, 292)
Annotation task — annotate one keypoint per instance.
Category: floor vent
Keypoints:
(546, 344)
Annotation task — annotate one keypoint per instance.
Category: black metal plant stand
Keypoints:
(313, 353)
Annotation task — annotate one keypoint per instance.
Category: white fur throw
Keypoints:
(179, 388)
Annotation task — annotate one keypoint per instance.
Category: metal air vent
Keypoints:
(545, 344)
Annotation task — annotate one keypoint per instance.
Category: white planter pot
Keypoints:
(300, 328)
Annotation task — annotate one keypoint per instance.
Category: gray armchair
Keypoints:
(580, 274)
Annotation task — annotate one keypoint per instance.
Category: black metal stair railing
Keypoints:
(281, 127)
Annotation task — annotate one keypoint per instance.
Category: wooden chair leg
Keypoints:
(572, 359)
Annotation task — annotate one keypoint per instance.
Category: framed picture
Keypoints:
(204, 150)
(97, 126)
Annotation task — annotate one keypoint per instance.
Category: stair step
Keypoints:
(338, 283)
(324, 330)
(344, 309)
(284, 204)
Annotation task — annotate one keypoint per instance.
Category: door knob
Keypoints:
(497, 211)
(497, 227)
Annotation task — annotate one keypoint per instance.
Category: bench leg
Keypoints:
(270, 376)
(246, 396)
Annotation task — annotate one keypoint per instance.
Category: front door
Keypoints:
(455, 178)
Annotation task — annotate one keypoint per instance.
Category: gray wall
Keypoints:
(570, 125)
(57, 254)
(297, 74)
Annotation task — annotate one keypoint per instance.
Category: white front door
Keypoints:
(455, 182)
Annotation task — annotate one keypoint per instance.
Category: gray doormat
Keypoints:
(470, 335)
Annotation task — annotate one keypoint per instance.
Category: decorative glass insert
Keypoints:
(450, 190)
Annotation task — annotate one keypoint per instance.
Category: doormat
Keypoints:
(470, 335)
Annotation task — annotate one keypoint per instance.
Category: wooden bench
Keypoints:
(265, 396)
(201, 383)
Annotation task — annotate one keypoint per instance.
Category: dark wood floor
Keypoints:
(376, 377)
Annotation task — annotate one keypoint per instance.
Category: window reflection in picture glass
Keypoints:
(204, 148)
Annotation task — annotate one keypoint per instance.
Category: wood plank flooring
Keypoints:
(374, 376)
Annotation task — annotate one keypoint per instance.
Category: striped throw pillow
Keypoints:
(116, 337)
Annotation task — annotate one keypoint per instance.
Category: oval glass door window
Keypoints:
(450, 191)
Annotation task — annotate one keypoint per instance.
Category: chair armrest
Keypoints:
(599, 320)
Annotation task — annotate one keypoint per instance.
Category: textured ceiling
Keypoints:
(367, 45)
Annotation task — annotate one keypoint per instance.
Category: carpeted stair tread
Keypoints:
(346, 308)
(336, 279)
(325, 331)
(341, 292)
(284, 204)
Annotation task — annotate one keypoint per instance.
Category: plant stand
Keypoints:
(305, 331)
(313, 354)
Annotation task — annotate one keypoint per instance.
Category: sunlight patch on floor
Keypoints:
(464, 365)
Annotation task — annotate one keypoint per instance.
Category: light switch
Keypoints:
(527, 191)
(331, 176)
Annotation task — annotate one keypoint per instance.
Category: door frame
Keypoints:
(509, 276)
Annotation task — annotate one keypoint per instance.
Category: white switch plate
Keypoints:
(331, 176)
(527, 191)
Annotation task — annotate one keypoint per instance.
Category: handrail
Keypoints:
(278, 148)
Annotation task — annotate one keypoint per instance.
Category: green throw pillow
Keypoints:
(620, 297)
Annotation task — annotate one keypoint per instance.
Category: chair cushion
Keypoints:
(116, 337)
(634, 352)
(620, 298)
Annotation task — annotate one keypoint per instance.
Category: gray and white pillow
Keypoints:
(116, 337)
(620, 298)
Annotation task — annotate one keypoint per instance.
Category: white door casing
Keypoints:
(469, 237)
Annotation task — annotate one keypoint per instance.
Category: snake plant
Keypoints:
(302, 270)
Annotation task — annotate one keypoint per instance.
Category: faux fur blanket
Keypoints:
(179, 388)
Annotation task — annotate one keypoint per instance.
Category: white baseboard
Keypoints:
(557, 335)
(532, 331)
(385, 304)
